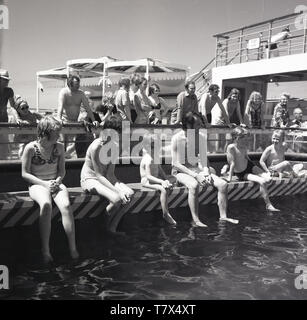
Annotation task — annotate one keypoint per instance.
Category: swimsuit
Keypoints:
(249, 169)
(42, 168)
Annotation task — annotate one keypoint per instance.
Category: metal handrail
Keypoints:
(258, 24)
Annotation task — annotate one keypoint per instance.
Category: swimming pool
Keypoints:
(253, 260)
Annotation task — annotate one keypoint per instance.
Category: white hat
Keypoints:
(4, 74)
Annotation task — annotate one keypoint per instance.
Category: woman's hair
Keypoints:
(153, 88)
(213, 87)
(254, 95)
(189, 119)
(47, 125)
(280, 133)
(187, 83)
(286, 95)
(239, 132)
(136, 79)
(124, 82)
(114, 123)
(148, 139)
(234, 91)
(18, 102)
(71, 79)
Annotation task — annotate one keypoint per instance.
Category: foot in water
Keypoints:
(199, 224)
(235, 221)
(271, 208)
(74, 255)
(47, 258)
(167, 217)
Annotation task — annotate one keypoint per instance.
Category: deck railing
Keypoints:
(253, 42)
(217, 138)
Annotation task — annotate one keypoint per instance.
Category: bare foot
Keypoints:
(74, 254)
(167, 217)
(235, 221)
(199, 224)
(47, 257)
(271, 208)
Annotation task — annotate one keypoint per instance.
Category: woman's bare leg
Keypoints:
(61, 199)
(42, 196)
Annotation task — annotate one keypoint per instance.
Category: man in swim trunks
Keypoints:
(193, 172)
(243, 168)
(208, 101)
(70, 100)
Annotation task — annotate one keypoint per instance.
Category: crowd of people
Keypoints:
(140, 103)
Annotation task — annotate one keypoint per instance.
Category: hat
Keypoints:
(4, 74)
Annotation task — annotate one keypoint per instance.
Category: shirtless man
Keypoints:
(208, 101)
(195, 174)
(273, 158)
(6, 95)
(243, 168)
(70, 100)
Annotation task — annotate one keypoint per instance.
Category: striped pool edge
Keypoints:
(17, 209)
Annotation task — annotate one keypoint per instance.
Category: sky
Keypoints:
(45, 34)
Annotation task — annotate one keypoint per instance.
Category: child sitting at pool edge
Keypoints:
(43, 167)
(273, 158)
(243, 168)
(98, 176)
(154, 177)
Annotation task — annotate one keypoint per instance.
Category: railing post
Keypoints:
(216, 51)
(289, 47)
(305, 35)
(269, 39)
(226, 52)
(240, 52)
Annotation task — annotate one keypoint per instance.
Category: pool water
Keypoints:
(253, 260)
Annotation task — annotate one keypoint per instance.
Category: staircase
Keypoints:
(203, 79)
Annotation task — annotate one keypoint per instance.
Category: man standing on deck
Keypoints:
(70, 100)
(186, 102)
(208, 101)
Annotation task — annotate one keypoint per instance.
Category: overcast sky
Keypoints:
(44, 34)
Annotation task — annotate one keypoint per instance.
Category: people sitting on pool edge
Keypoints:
(194, 173)
(243, 168)
(273, 158)
(98, 177)
(154, 177)
(43, 167)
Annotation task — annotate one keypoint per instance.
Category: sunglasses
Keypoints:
(24, 108)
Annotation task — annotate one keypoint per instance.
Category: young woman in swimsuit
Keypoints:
(43, 167)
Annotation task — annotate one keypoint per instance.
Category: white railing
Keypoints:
(217, 137)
